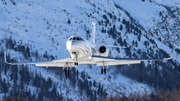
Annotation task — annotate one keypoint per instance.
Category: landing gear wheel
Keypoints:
(101, 71)
(68, 72)
(75, 63)
(104, 71)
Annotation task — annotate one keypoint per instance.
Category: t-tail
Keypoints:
(93, 33)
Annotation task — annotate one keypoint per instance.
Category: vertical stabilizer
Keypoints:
(93, 33)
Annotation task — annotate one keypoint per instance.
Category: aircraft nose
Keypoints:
(68, 45)
(72, 45)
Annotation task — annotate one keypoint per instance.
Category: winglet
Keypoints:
(171, 56)
(5, 60)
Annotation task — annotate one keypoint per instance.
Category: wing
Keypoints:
(68, 62)
(99, 60)
(109, 46)
(107, 61)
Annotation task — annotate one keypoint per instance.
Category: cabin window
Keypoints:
(74, 38)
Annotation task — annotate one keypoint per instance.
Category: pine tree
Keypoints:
(69, 21)
(95, 96)
(99, 88)
(139, 37)
(6, 98)
(94, 83)
(121, 27)
(110, 98)
(27, 52)
(36, 54)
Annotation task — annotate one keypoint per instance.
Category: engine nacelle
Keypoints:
(103, 51)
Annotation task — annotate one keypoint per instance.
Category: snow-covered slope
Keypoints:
(43, 26)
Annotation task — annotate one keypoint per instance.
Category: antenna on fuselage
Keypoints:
(93, 33)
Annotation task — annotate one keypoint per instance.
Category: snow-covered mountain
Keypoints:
(34, 30)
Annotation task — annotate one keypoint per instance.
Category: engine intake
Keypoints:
(103, 51)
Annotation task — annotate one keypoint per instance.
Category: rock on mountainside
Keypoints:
(38, 30)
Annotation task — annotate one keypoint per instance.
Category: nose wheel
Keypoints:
(75, 63)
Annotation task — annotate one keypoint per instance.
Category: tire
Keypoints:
(68, 72)
(101, 71)
(75, 64)
(65, 72)
(104, 71)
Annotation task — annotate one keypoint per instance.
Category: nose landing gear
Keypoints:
(76, 63)
(75, 57)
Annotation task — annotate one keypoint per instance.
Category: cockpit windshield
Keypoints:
(70, 39)
(76, 38)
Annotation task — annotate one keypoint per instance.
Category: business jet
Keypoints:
(83, 52)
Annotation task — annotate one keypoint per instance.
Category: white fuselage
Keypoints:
(80, 49)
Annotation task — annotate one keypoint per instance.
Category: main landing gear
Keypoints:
(67, 72)
(103, 70)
